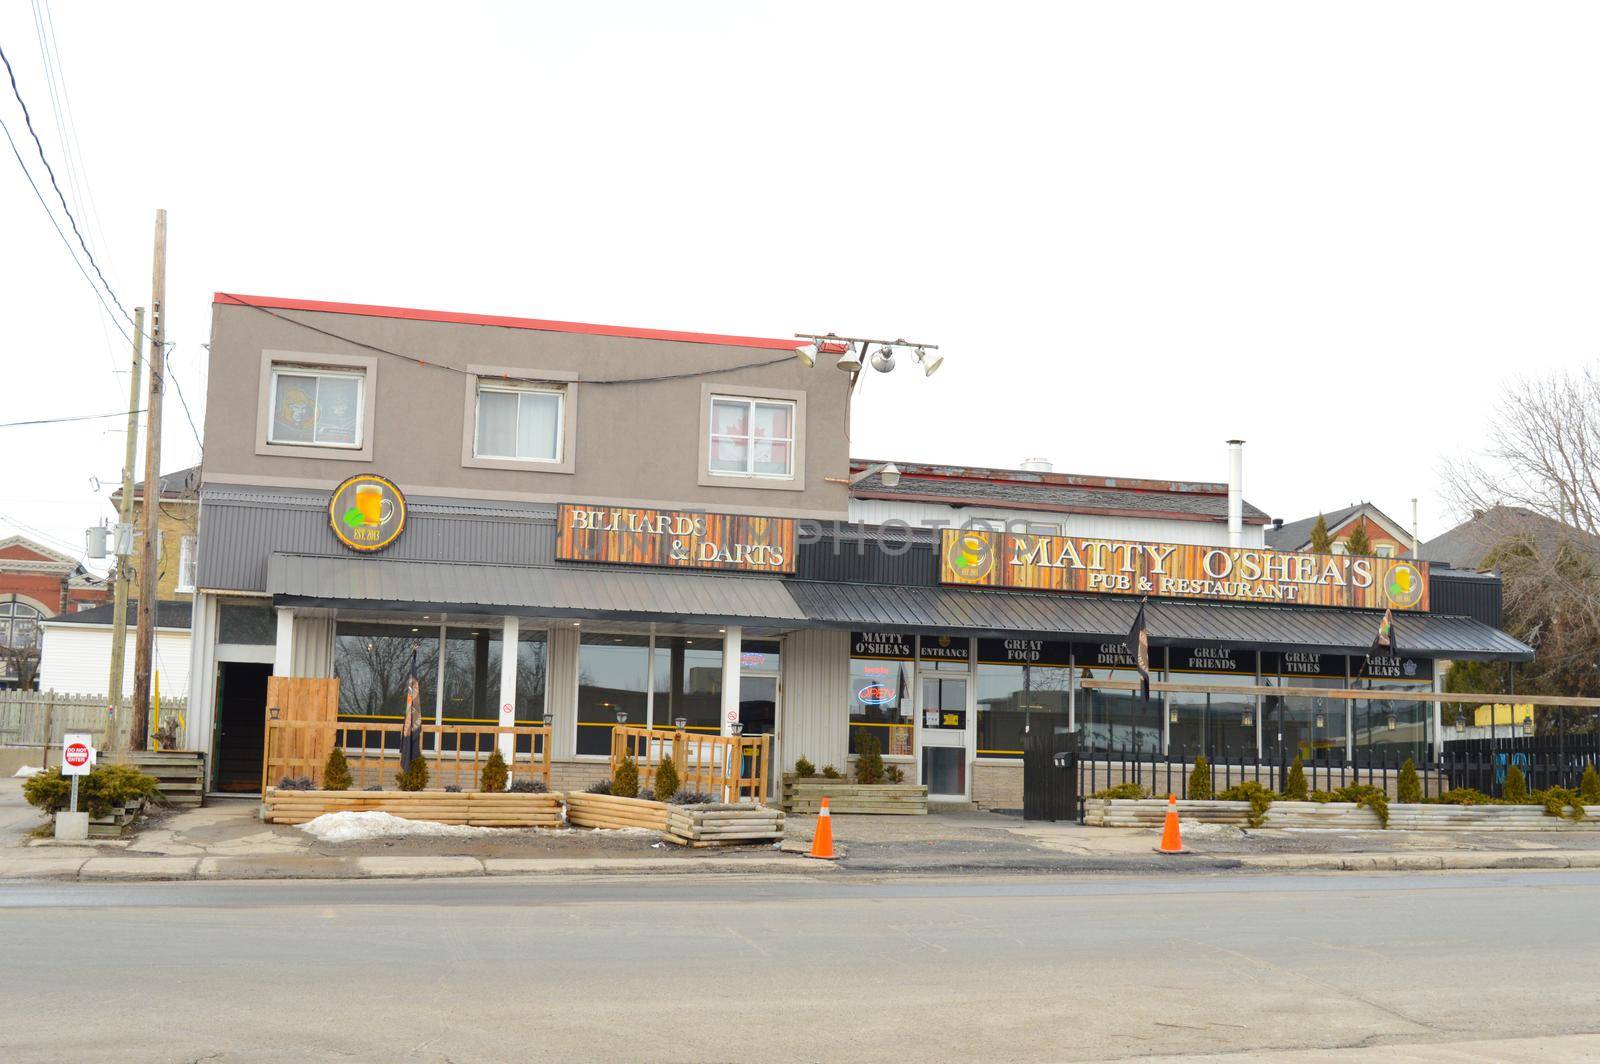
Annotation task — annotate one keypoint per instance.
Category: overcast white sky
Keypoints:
(1135, 229)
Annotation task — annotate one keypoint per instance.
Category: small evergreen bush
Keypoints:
(666, 784)
(1515, 787)
(600, 787)
(104, 787)
(452, 788)
(1409, 789)
(1374, 798)
(1589, 786)
(1123, 791)
(625, 781)
(336, 772)
(1557, 800)
(1464, 796)
(869, 760)
(894, 774)
(493, 777)
(1251, 791)
(296, 783)
(804, 769)
(691, 798)
(1200, 789)
(1294, 788)
(528, 787)
(830, 773)
(414, 778)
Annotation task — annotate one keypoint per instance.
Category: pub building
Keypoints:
(591, 524)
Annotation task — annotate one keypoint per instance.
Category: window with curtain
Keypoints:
(613, 677)
(522, 423)
(316, 407)
(688, 683)
(752, 437)
(372, 662)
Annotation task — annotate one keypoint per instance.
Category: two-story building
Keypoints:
(593, 524)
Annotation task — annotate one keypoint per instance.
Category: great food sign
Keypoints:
(983, 558)
(674, 538)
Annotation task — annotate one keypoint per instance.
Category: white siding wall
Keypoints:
(816, 698)
(312, 650)
(76, 659)
(561, 688)
(1148, 529)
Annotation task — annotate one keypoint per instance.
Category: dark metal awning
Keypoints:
(659, 595)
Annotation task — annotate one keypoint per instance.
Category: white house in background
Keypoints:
(76, 656)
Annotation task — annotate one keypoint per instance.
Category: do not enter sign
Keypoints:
(77, 755)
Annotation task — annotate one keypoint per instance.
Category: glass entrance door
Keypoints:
(942, 736)
(758, 712)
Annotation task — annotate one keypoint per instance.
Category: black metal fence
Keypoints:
(1479, 764)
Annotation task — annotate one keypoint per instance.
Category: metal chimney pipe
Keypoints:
(1235, 493)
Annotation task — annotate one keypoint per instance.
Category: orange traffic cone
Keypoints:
(822, 841)
(1170, 840)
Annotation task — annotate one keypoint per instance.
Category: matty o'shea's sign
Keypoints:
(674, 538)
(983, 558)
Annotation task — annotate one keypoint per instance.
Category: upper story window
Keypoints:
(519, 422)
(19, 624)
(317, 407)
(752, 437)
(1384, 550)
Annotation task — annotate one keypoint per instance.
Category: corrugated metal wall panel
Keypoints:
(816, 698)
(1465, 595)
(561, 689)
(312, 653)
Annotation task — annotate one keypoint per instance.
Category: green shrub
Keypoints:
(894, 774)
(830, 773)
(1294, 788)
(1464, 796)
(1322, 797)
(804, 769)
(494, 775)
(869, 760)
(625, 781)
(1589, 786)
(1374, 798)
(1515, 787)
(414, 778)
(106, 786)
(336, 772)
(1123, 791)
(666, 780)
(1259, 797)
(598, 787)
(1557, 800)
(1200, 780)
(1409, 789)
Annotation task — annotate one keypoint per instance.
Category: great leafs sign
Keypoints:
(674, 538)
(983, 558)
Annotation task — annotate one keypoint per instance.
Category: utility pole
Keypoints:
(123, 541)
(144, 651)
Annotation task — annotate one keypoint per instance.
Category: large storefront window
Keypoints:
(472, 675)
(1309, 727)
(1116, 720)
(532, 650)
(613, 677)
(1390, 728)
(1022, 684)
(372, 662)
(881, 698)
(688, 683)
(1200, 722)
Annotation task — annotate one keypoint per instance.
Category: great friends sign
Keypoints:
(675, 538)
(983, 558)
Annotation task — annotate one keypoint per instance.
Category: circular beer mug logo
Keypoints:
(972, 556)
(367, 512)
(1404, 585)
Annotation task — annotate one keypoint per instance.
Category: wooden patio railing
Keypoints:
(730, 767)
(455, 753)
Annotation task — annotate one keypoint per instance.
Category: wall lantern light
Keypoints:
(622, 716)
(1322, 722)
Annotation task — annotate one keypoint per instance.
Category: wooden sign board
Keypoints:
(976, 557)
(680, 539)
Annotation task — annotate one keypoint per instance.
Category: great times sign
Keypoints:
(983, 558)
(674, 538)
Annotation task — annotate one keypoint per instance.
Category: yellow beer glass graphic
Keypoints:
(375, 508)
(1405, 586)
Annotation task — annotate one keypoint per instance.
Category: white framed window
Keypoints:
(522, 423)
(187, 559)
(313, 406)
(1384, 550)
(752, 437)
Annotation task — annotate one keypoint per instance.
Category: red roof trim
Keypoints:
(537, 324)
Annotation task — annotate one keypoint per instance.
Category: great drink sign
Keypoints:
(983, 558)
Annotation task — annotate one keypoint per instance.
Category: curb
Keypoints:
(1423, 862)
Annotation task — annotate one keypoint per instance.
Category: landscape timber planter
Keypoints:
(114, 823)
(586, 810)
(1343, 816)
(721, 824)
(498, 809)
(804, 795)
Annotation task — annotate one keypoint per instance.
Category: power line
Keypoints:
(187, 416)
(61, 420)
(28, 119)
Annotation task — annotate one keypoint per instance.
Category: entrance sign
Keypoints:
(77, 755)
(367, 512)
(976, 557)
(674, 538)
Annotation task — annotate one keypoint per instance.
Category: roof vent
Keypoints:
(1037, 465)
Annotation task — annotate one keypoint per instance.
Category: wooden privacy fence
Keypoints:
(729, 767)
(455, 753)
(40, 718)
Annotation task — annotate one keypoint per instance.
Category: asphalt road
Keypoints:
(690, 968)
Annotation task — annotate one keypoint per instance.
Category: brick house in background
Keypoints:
(36, 584)
(177, 522)
(1389, 537)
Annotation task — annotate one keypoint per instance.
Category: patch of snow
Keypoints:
(25, 771)
(356, 826)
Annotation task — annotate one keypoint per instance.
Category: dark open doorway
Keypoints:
(241, 725)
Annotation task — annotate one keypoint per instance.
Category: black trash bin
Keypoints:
(1049, 773)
